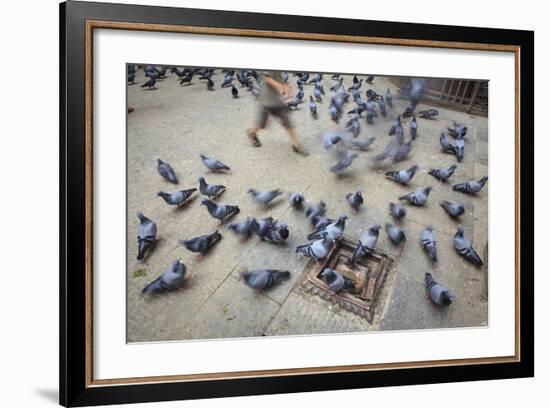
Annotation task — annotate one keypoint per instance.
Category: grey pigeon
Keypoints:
(242, 228)
(320, 222)
(455, 210)
(464, 247)
(277, 233)
(173, 278)
(312, 106)
(439, 295)
(459, 149)
(428, 114)
(203, 243)
(402, 151)
(296, 200)
(418, 197)
(395, 125)
(458, 131)
(344, 163)
(472, 186)
(335, 280)
(210, 190)
(413, 128)
(333, 231)
(443, 174)
(178, 197)
(366, 243)
(402, 176)
(166, 171)
(150, 84)
(427, 240)
(213, 164)
(355, 200)
(264, 278)
(220, 211)
(316, 210)
(395, 234)
(394, 149)
(382, 106)
(147, 235)
(264, 197)
(330, 139)
(261, 227)
(397, 211)
(389, 98)
(361, 145)
(446, 146)
(317, 250)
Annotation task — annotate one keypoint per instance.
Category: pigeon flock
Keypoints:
(361, 108)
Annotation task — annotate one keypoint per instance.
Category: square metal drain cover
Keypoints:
(369, 275)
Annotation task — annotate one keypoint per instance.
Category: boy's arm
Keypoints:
(283, 88)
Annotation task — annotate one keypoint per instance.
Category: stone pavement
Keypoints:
(177, 123)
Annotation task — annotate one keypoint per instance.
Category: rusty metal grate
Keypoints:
(369, 275)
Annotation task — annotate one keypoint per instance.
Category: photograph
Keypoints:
(263, 202)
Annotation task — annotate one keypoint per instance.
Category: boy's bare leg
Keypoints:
(296, 145)
(252, 135)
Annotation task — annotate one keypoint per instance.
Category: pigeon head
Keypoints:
(205, 202)
(251, 191)
(452, 168)
(283, 232)
(159, 161)
(460, 231)
(427, 190)
(375, 227)
(447, 297)
(140, 215)
(327, 274)
(413, 168)
(483, 180)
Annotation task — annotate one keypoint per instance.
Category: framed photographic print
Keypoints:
(256, 203)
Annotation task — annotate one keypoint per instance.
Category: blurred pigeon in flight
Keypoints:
(264, 197)
(361, 145)
(344, 163)
(395, 234)
(242, 228)
(428, 114)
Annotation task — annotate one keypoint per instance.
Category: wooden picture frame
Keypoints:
(77, 22)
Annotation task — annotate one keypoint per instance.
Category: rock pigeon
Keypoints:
(209, 84)
(389, 98)
(333, 231)
(147, 235)
(220, 211)
(335, 280)
(318, 249)
(344, 163)
(446, 146)
(472, 186)
(382, 106)
(316, 210)
(402, 176)
(428, 114)
(395, 234)
(330, 139)
(264, 197)
(361, 145)
(418, 197)
(443, 174)
(464, 247)
(242, 228)
(203, 243)
(296, 200)
(234, 91)
(438, 294)
(261, 279)
(173, 278)
(312, 106)
(366, 243)
(210, 190)
(166, 171)
(459, 149)
(178, 197)
(458, 131)
(277, 233)
(397, 211)
(396, 124)
(355, 200)
(213, 164)
(261, 227)
(150, 84)
(455, 210)
(427, 240)
(413, 128)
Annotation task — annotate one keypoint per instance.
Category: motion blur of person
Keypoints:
(272, 103)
